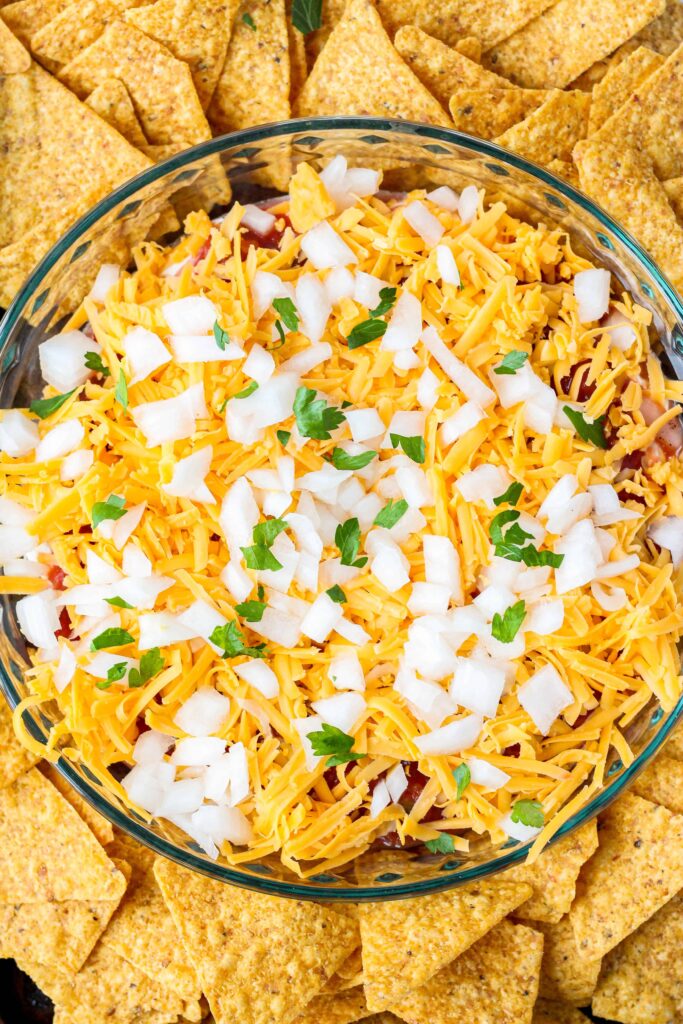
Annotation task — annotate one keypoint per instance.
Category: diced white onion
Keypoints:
(160, 629)
(135, 562)
(343, 710)
(667, 532)
(18, 434)
(444, 197)
(321, 618)
(203, 713)
(618, 568)
(427, 387)
(466, 417)
(145, 353)
(60, 440)
(544, 696)
(258, 220)
(304, 726)
(260, 676)
(424, 223)
(364, 424)
(14, 514)
(195, 751)
(452, 738)
(325, 248)
(397, 782)
(429, 599)
(468, 204)
(591, 289)
(107, 276)
(151, 746)
(442, 564)
(194, 314)
(62, 360)
(66, 668)
(223, 824)
(621, 331)
(202, 348)
(609, 600)
(264, 288)
(303, 362)
(516, 830)
(366, 289)
(279, 627)
(313, 305)
(446, 265)
(188, 477)
(487, 775)
(170, 419)
(405, 324)
(546, 617)
(146, 784)
(346, 672)
(380, 798)
(484, 483)
(478, 685)
(38, 618)
(76, 464)
(339, 284)
(461, 375)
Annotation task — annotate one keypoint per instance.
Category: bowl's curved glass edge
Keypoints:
(311, 889)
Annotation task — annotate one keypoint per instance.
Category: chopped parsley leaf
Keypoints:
(365, 332)
(112, 508)
(249, 390)
(230, 639)
(414, 447)
(222, 337)
(151, 663)
(511, 496)
(314, 417)
(592, 431)
(391, 513)
(337, 594)
(121, 392)
(347, 539)
(510, 363)
(528, 812)
(334, 744)
(252, 611)
(442, 844)
(249, 21)
(506, 627)
(288, 314)
(307, 15)
(283, 437)
(44, 407)
(463, 777)
(113, 637)
(93, 361)
(387, 298)
(343, 460)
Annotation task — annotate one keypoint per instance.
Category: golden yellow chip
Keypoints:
(565, 976)
(26, 17)
(142, 914)
(589, 78)
(637, 867)
(259, 958)
(56, 934)
(641, 978)
(470, 47)
(406, 942)
(565, 169)
(159, 85)
(106, 988)
(674, 193)
(360, 72)
(662, 783)
(621, 80)
(113, 104)
(441, 68)
(649, 119)
(490, 112)
(309, 201)
(553, 876)
(546, 1012)
(332, 11)
(566, 39)
(40, 121)
(496, 980)
(666, 32)
(342, 1008)
(451, 19)
(552, 130)
(47, 852)
(623, 181)
(99, 826)
(14, 759)
(13, 56)
(74, 28)
(195, 31)
(255, 55)
(674, 745)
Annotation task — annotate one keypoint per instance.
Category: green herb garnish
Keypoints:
(93, 361)
(511, 496)
(221, 335)
(118, 602)
(113, 637)
(307, 15)
(249, 390)
(314, 417)
(343, 460)
(337, 594)
(510, 363)
(463, 777)
(283, 437)
(44, 407)
(112, 508)
(387, 298)
(443, 844)
(287, 312)
(231, 641)
(252, 611)
(391, 513)
(414, 447)
(334, 744)
(528, 812)
(121, 392)
(347, 539)
(365, 332)
(592, 431)
(506, 627)
(249, 21)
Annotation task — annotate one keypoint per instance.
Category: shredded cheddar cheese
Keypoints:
(515, 299)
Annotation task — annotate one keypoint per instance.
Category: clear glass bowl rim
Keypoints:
(330, 891)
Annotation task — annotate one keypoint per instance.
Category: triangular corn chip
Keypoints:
(553, 875)
(99, 826)
(448, 20)
(619, 83)
(637, 867)
(159, 84)
(14, 759)
(259, 959)
(195, 31)
(47, 852)
(255, 55)
(342, 1008)
(406, 942)
(552, 130)
(565, 975)
(56, 934)
(496, 980)
(490, 112)
(74, 28)
(442, 69)
(13, 56)
(26, 17)
(360, 72)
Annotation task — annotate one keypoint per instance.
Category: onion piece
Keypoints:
(468, 204)
(107, 276)
(223, 824)
(66, 668)
(484, 483)
(258, 220)
(170, 419)
(325, 249)
(161, 629)
(194, 314)
(343, 710)
(516, 830)
(188, 477)
(609, 601)
(14, 514)
(442, 564)
(151, 746)
(380, 798)
(60, 440)
(478, 686)
(424, 223)
(446, 265)
(321, 618)
(667, 532)
(313, 305)
(264, 288)
(397, 782)
(405, 324)
(487, 775)
(203, 713)
(304, 726)
(18, 434)
(260, 676)
(544, 696)
(346, 672)
(462, 421)
(202, 348)
(461, 375)
(38, 618)
(444, 197)
(76, 464)
(62, 360)
(546, 617)
(452, 738)
(621, 331)
(591, 290)
(145, 353)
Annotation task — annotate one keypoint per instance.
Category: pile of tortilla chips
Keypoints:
(91, 91)
(114, 935)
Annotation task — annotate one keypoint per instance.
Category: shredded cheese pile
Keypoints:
(516, 295)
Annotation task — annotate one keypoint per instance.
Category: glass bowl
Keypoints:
(254, 165)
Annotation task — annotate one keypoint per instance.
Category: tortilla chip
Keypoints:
(298, 65)
(332, 11)
(47, 852)
(40, 121)
(650, 119)
(258, 958)
(552, 130)
(14, 759)
(565, 40)
(349, 974)
(142, 914)
(589, 78)
(546, 1012)
(496, 980)
(674, 193)
(107, 988)
(565, 976)
(13, 57)
(662, 783)
(99, 826)
(195, 31)
(406, 942)
(637, 867)
(113, 104)
(442, 69)
(449, 20)
(641, 979)
(621, 80)
(262, 57)
(60, 935)
(74, 28)
(309, 200)
(666, 32)
(565, 169)
(337, 1009)
(360, 72)
(159, 85)
(490, 112)
(470, 47)
(624, 182)
(26, 17)
(553, 876)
